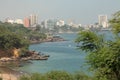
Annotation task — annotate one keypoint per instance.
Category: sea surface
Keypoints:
(63, 56)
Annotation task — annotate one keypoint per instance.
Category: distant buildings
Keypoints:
(74, 25)
(33, 20)
(9, 21)
(50, 23)
(30, 21)
(17, 21)
(44, 24)
(60, 23)
(103, 21)
(101, 24)
(26, 22)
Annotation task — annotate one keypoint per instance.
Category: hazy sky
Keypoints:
(79, 11)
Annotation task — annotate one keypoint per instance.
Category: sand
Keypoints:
(8, 77)
(10, 74)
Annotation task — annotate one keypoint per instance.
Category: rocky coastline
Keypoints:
(29, 55)
(51, 39)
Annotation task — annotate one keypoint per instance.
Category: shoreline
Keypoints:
(47, 40)
(29, 55)
(7, 73)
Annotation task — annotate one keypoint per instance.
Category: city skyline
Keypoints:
(78, 11)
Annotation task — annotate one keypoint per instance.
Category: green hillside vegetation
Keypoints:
(16, 36)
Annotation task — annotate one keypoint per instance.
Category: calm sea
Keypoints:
(63, 56)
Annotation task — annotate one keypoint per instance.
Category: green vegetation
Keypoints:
(19, 29)
(103, 56)
(16, 36)
(57, 75)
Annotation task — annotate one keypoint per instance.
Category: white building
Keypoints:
(44, 24)
(79, 25)
(70, 24)
(60, 23)
(103, 21)
(18, 21)
(74, 25)
(49, 23)
(33, 19)
(10, 20)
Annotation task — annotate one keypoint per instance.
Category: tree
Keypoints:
(10, 39)
(16, 36)
(38, 28)
(103, 56)
(115, 23)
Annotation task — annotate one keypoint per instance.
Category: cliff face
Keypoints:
(16, 52)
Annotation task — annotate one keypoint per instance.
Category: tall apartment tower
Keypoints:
(26, 22)
(103, 21)
(33, 20)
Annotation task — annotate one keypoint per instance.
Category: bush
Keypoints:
(57, 75)
(82, 76)
(37, 76)
(24, 77)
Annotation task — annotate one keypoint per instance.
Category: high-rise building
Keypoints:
(33, 20)
(26, 22)
(44, 24)
(103, 21)
(49, 23)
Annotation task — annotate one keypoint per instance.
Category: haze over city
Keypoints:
(79, 11)
(59, 39)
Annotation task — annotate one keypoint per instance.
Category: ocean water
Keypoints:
(63, 56)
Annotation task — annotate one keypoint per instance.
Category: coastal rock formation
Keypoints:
(32, 55)
(29, 55)
(49, 39)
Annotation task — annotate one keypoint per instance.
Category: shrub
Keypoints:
(59, 75)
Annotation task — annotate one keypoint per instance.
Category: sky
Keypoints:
(78, 11)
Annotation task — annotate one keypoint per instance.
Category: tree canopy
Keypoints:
(103, 56)
(16, 36)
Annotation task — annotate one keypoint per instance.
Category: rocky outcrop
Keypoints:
(32, 55)
(29, 55)
(51, 39)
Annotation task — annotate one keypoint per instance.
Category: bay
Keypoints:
(63, 56)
